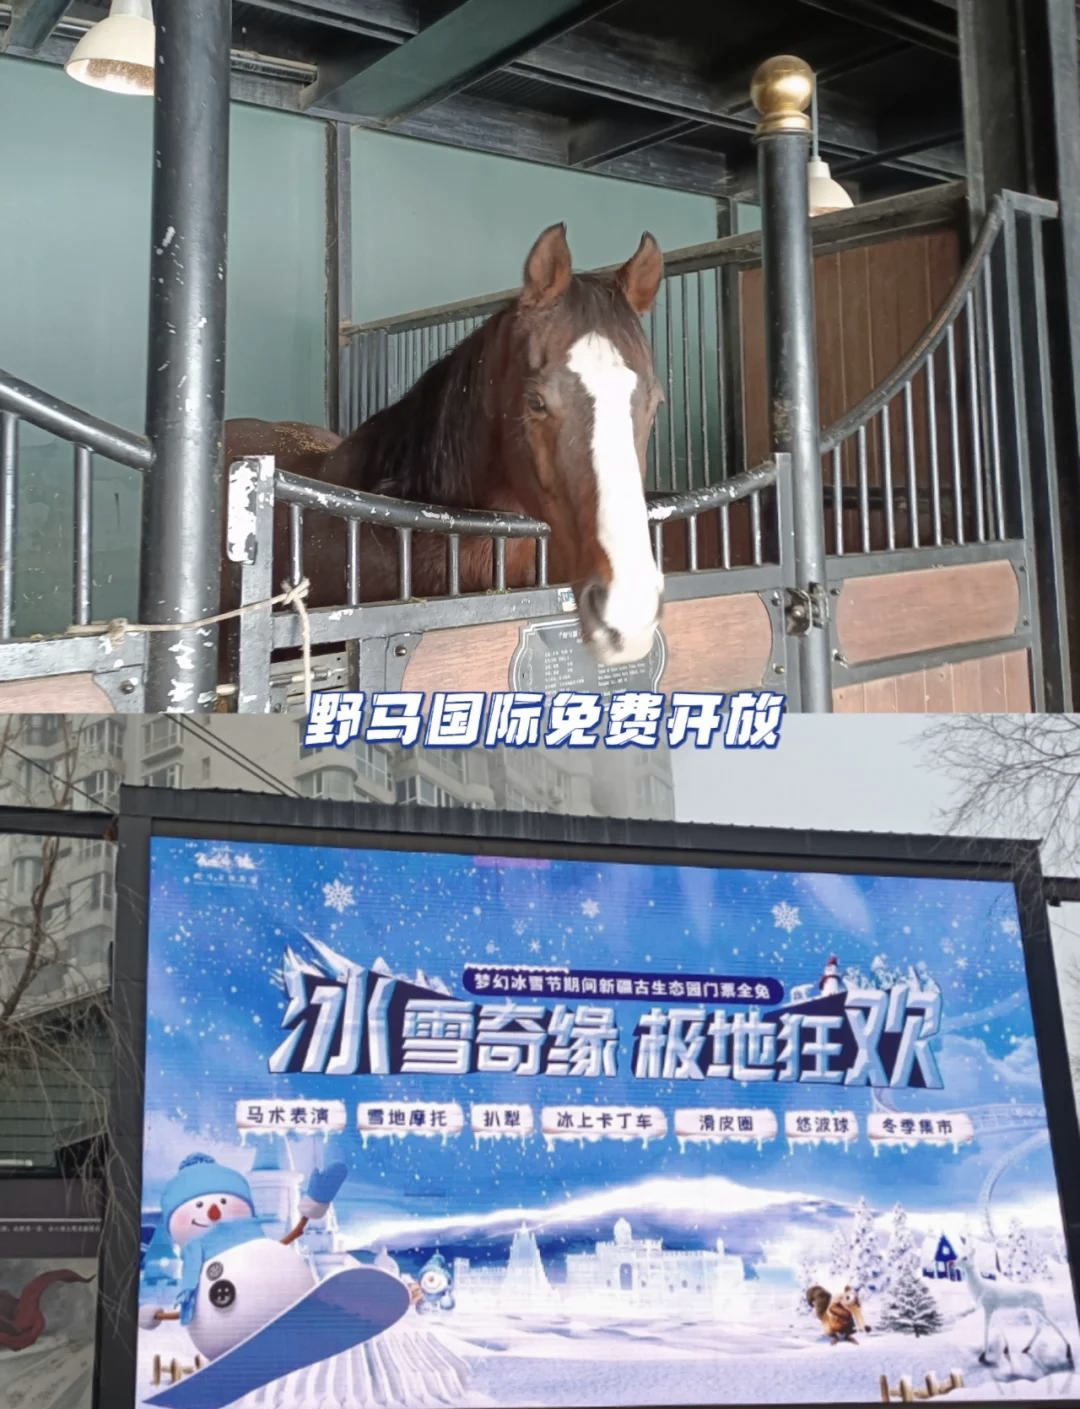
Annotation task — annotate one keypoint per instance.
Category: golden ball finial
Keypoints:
(782, 90)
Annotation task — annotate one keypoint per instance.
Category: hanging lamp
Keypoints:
(117, 53)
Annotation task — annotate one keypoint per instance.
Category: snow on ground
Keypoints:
(55, 1373)
(477, 1360)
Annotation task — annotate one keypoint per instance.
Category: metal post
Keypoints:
(182, 505)
(782, 90)
(340, 398)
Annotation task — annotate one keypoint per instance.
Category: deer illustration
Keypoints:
(993, 1297)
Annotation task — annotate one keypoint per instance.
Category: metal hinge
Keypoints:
(804, 610)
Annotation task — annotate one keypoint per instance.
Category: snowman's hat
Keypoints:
(200, 1175)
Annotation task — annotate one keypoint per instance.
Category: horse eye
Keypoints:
(535, 402)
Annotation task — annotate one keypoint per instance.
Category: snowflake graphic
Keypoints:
(786, 917)
(534, 947)
(1010, 927)
(338, 896)
(519, 927)
(961, 963)
(590, 909)
(491, 947)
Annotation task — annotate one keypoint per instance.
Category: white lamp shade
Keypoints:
(826, 195)
(117, 54)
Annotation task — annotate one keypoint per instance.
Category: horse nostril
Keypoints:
(594, 599)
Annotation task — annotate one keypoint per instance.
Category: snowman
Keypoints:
(235, 1278)
(436, 1286)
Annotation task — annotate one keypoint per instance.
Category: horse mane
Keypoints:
(424, 445)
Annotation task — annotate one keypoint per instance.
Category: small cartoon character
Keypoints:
(841, 1316)
(436, 1286)
(235, 1277)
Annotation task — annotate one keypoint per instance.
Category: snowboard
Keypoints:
(347, 1309)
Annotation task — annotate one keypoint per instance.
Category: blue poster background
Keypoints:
(222, 918)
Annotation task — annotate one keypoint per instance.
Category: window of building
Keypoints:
(105, 736)
(160, 734)
(423, 791)
(102, 786)
(42, 730)
(337, 784)
(170, 777)
(94, 893)
(88, 849)
(26, 874)
(373, 764)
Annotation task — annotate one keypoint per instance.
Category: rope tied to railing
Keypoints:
(293, 594)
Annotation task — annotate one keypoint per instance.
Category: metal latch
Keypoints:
(804, 610)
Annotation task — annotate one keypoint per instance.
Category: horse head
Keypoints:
(585, 396)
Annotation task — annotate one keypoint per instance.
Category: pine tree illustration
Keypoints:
(866, 1263)
(1017, 1261)
(839, 1255)
(807, 1278)
(901, 1252)
(911, 1307)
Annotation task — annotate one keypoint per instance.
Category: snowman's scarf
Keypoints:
(203, 1250)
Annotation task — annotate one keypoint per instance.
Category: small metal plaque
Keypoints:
(551, 656)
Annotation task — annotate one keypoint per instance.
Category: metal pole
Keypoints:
(340, 398)
(782, 90)
(181, 560)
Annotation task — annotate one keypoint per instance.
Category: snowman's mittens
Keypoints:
(149, 1317)
(309, 1209)
(324, 1184)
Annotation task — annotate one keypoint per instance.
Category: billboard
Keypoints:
(437, 1127)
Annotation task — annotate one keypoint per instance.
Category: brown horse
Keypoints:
(544, 410)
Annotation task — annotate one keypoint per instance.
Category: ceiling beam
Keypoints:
(32, 21)
(604, 139)
(910, 20)
(473, 40)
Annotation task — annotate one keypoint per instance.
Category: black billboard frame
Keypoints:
(144, 813)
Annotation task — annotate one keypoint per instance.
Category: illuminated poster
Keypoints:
(445, 1129)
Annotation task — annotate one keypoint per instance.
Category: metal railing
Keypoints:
(88, 436)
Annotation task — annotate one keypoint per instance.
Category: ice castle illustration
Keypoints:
(641, 1271)
(276, 1186)
(625, 1273)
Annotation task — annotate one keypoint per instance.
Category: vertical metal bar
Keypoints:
(658, 544)
(1042, 506)
(782, 90)
(838, 497)
(912, 473)
(352, 575)
(691, 543)
(296, 544)
(182, 497)
(541, 562)
(725, 535)
(932, 441)
(974, 418)
(499, 557)
(338, 274)
(688, 433)
(864, 489)
(670, 340)
(703, 380)
(729, 281)
(254, 634)
(654, 445)
(755, 527)
(9, 486)
(453, 565)
(954, 438)
(83, 530)
(404, 536)
(997, 488)
(887, 476)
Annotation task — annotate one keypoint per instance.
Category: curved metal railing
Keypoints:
(89, 436)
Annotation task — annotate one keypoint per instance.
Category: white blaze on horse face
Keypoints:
(632, 602)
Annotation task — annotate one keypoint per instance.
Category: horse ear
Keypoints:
(640, 276)
(548, 269)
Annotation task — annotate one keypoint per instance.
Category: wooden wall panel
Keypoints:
(713, 643)
(872, 304)
(898, 614)
(63, 694)
(995, 685)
